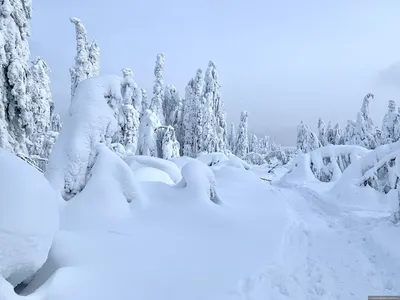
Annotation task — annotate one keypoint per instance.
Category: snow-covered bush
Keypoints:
(254, 158)
(211, 159)
(200, 180)
(325, 164)
(29, 218)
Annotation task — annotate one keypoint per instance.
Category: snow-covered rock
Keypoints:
(28, 218)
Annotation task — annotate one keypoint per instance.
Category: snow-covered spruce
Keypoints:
(29, 219)
(157, 102)
(306, 139)
(242, 144)
(87, 59)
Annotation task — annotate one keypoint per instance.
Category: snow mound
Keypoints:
(211, 159)
(199, 180)
(149, 174)
(108, 193)
(236, 162)
(28, 221)
(91, 120)
(164, 165)
(181, 161)
(325, 164)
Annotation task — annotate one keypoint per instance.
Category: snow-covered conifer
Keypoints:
(322, 134)
(242, 144)
(145, 103)
(187, 121)
(349, 135)
(212, 90)
(307, 140)
(198, 103)
(87, 59)
(337, 134)
(388, 124)
(232, 137)
(170, 145)
(157, 102)
(147, 136)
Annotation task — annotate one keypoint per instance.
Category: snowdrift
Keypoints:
(109, 193)
(137, 162)
(324, 164)
(29, 218)
(218, 159)
(91, 120)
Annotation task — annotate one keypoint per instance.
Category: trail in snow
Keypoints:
(328, 253)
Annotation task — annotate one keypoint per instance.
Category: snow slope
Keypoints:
(262, 241)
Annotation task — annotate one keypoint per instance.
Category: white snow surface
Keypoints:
(28, 218)
(261, 241)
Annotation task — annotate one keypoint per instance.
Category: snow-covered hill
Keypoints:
(259, 241)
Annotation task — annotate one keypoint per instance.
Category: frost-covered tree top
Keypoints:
(157, 102)
(87, 59)
(242, 145)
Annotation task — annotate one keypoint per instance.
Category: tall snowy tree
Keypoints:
(87, 59)
(16, 120)
(173, 106)
(145, 103)
(42, 107)
(198, 102)
(232, 138)
(349, 135)
(147, 136)
(157, 102)
(170, 145)
(187, 124)
(212, 92)
(337, 135)
(330, 134)
(242, 144)
(254, 144)
(388, 124)
(322, 135)
(210, 139)
(129, 120)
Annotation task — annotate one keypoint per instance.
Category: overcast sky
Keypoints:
(282, 60)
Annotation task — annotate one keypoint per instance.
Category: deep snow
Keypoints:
(261, 241)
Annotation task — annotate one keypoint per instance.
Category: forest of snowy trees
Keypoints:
(164, 124)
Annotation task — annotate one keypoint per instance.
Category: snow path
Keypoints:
(329, 253)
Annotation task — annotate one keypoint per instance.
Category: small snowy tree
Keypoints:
(157, 102)
(389, 123)
(330, 134)
(170, 145)
(147, 135)
(242, 145)
(337, 135)
(349, 135)
(307, 140)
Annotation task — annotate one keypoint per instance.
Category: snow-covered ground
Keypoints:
(265, 239)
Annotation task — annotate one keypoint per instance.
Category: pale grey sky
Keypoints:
(282, 60)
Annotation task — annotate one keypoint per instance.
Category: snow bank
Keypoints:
(211, 159)
(200, 181)
(325, 164)
(107, 194)
(28, 221)
(164, 165)
(234, 161)
(91, 120)
(181, 161)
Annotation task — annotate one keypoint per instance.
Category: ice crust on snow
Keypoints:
(28, 218)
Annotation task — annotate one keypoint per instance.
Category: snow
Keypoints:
(28, 218)
(168, 167)
(90, 121)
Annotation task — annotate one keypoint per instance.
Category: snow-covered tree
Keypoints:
(254, 145)
(198, 102)
(307, 140)
(157, 102)
(232, 137)
(210, 138)
(16, 121)
(322, 134)
(212, 92)
(145, 103)
(389, 123)
(349, 135)
(131, 93)
(187, 124)
(242, 144)
(87, 59)
(147, 136)
(330, 134)
(337, 135)
(173, 106)
(170, 145)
